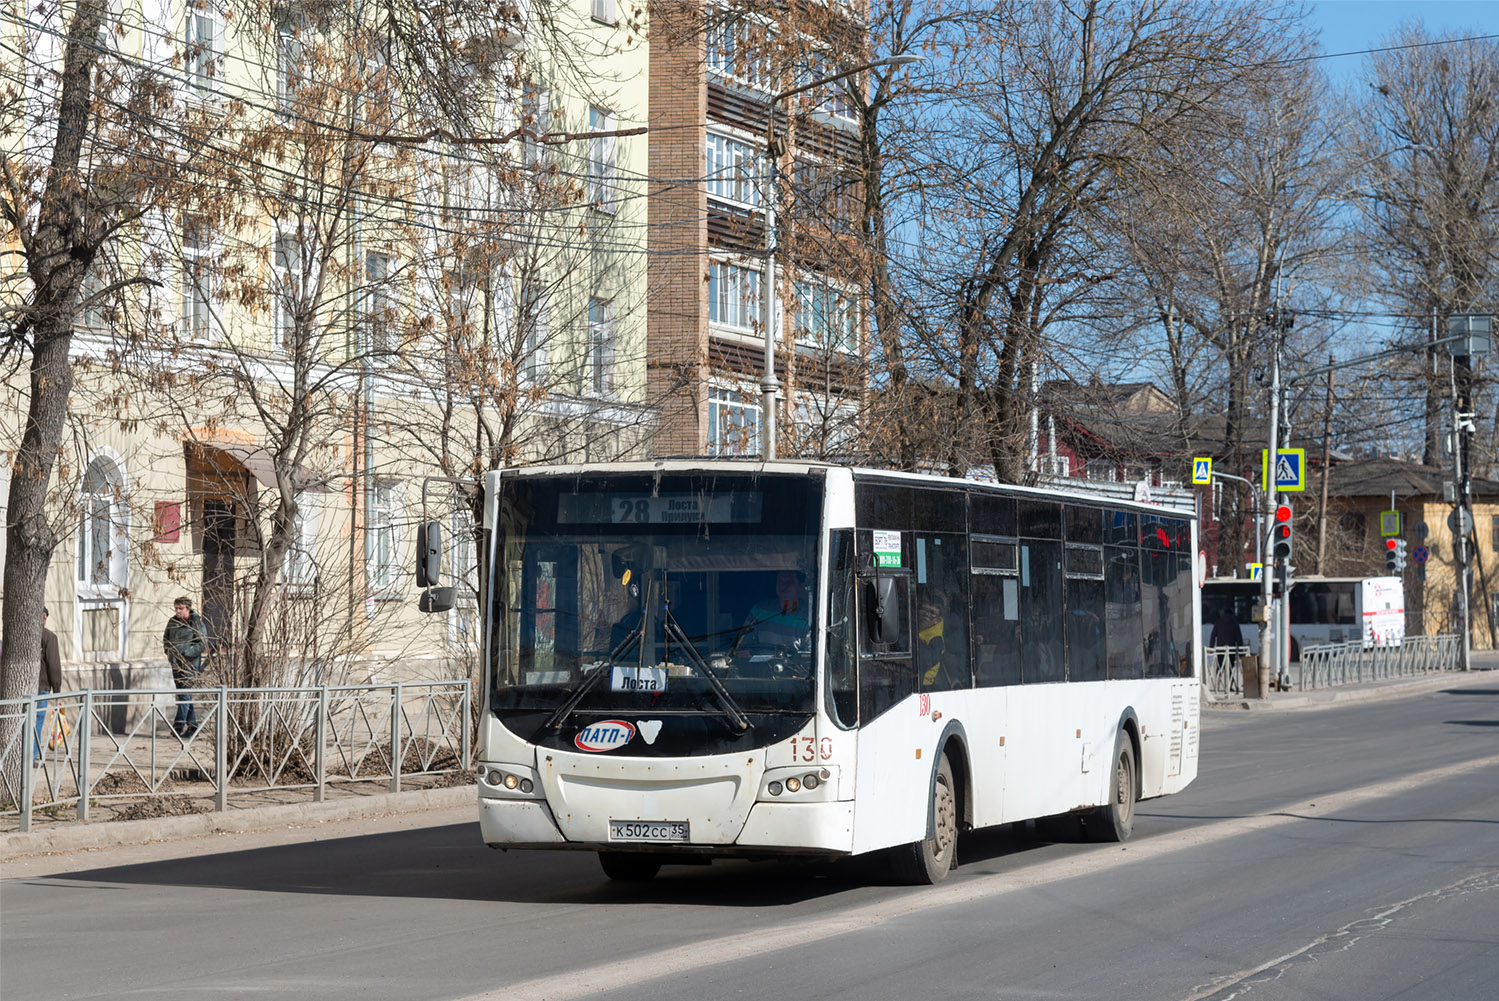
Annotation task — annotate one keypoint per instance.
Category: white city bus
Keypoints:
(1324, 610)
(690, 659)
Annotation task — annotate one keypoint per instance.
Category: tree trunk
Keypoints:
(57, 256)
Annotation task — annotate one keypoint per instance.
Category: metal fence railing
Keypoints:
(1222, 673)
(1351, 663)
(249, 742)
(1338, 663)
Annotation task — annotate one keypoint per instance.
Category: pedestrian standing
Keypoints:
(50, 680)
(184, 641)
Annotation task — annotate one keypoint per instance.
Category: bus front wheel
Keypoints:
(629, 867)
(1116, 819)
(929, 860)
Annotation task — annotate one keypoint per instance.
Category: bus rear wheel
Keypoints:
(629, 867)
(1115, 820)
(929, 860)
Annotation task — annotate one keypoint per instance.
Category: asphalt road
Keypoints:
(1348, 852)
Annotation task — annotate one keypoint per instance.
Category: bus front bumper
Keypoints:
(775, 828)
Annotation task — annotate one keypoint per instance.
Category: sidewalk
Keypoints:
(1484, 662)
(118, 833)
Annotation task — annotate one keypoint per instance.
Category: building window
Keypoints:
(197, 313)
(733, 295)
(736, 49)
(102, 558)
(830, 98)
(602, 169)
(535, 319)
(603, 11)
(732, 169)
(600, 346)
(288, 285)
(301, 559)
(733, 423)
(1494, 529)
(384, 552)
(825, 317)
(1352, 528)
(290, 65)
(380, 312)
(1099, 470)
(201, 41)
(536, 116)
(91, 316)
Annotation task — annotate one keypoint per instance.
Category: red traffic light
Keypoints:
(1390, 545)
(1283, 514)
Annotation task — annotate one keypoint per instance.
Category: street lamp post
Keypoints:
(770, 386)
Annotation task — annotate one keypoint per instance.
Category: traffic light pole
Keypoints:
(1462, 434)
(1270, 644)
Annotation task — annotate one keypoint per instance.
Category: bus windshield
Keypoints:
(645, 593)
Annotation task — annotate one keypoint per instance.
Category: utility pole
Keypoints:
(1326, 463)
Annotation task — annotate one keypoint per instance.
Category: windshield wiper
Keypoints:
(726, 702)
(601, 671)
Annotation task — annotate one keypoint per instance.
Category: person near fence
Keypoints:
(50, 680)
(184, 641)
(1226, 631)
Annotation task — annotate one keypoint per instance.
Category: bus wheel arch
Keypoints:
(954, 746)
(1115, 819)
(947, 809)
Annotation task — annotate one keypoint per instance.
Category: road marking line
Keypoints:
(745, 945)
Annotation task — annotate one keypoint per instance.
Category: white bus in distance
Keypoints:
(699, 659)
(1370, 610)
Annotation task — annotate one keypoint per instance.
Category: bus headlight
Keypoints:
(506, 781)
(820, 785)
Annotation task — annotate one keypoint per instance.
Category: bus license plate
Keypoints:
(647, 830)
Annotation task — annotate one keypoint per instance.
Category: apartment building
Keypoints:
(371, 269)
(712, 92)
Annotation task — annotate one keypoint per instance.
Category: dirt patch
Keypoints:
(166, 806)
(124, 784)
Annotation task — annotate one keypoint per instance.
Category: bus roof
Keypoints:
(805, 466)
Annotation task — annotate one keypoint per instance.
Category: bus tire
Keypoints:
(1115, 820)
(928, 861)
(630, 867)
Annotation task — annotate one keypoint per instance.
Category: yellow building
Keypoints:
(1361, 489)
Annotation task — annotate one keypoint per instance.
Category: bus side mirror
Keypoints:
(884, 606)
(429, 555)
(436, 599)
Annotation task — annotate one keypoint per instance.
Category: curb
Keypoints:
(113, 834)
(1369, 691)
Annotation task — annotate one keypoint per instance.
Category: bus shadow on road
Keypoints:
(449, 863)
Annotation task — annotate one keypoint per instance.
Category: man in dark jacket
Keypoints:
(50, 680)
(183, 641)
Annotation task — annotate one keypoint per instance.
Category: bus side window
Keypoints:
(886, 672)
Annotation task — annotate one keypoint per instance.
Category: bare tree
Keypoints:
(1428, 136)
(70, 184)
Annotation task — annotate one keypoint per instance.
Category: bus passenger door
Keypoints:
(894, 767)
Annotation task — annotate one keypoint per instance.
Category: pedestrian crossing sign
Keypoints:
(1290, 469)
(1202, 472)
(1256, 570)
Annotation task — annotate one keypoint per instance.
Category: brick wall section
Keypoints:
(677, 296)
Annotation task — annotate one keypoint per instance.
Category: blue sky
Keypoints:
(1355, 25)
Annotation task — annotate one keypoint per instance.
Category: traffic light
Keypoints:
(1281, 534)
(1394, 556)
